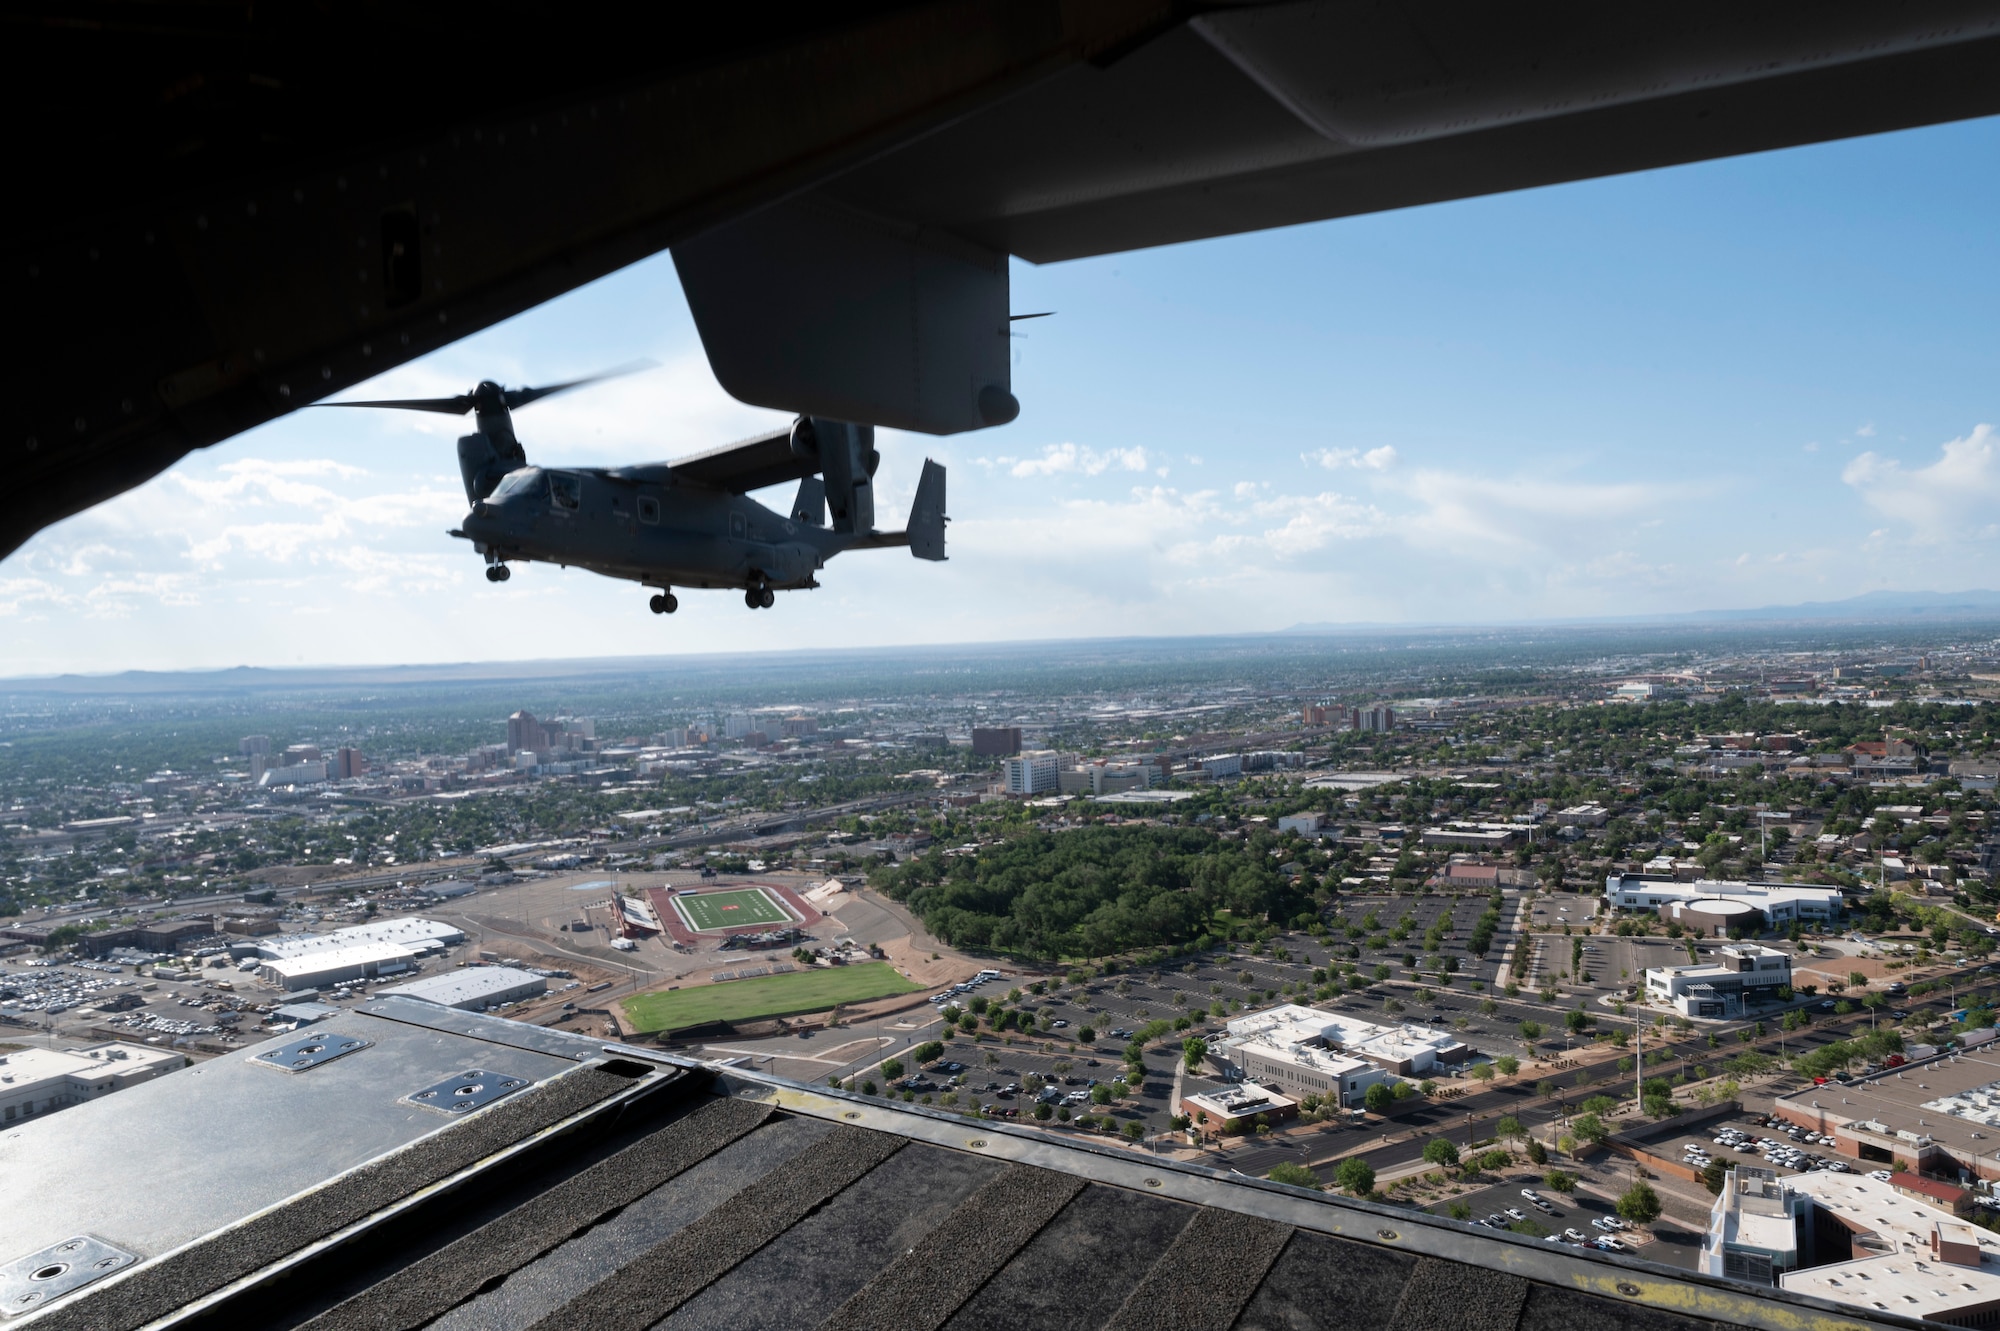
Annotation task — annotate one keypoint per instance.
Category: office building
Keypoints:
(1223, 766)
(348, 764)
(1879, 1250)
(1696, 904)
(1302, 1049)
(292, 774)
(1213, 1111)
(474, 988)
(1380, 717)
(302, 753)
(34, 1082)
(524, 732)
(738, 725)
(995, 741)
(1036, 772)
(1758, 1228)
(1473, 836)
(1583, 815)
(1742, 973)
(799, 727)
(253, 744)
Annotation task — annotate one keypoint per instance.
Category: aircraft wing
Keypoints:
(747, 464)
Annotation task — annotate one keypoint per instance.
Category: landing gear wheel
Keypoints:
(765, 600)
(497, 573)
(658, 604)
(670, 602)
(753, 598)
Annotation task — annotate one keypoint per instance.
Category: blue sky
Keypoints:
(1740, 383)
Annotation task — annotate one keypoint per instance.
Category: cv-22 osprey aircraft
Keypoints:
(688, 523)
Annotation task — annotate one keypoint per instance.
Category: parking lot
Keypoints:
(1575, 1212)
(1778, 1145)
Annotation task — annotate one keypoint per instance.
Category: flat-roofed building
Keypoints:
(338, 965)
(1238, 1103)
(42, 1081)
(1758, 1228)
(1937, 1116)
(995, 741)
(419, 936)
(1036, 772)
(1776, 904)
(1473, 836)
(1901, 1256)
(1307, 1050)
(1741, 973)
(473, 989)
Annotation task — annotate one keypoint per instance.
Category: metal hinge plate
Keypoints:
(309, 1051)
(465, 1092)
(30, 1283)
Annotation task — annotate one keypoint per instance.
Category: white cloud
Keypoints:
(1333, 459)
(1067, 458)
(1866, 432)
(1950, 498)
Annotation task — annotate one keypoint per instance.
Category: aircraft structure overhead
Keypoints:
(227, 212)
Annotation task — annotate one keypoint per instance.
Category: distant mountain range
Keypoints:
(1867, 608)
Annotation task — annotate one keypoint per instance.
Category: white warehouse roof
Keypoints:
(472, 988)
(408, 931)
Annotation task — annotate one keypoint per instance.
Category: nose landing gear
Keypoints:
(665, 603)
(498, 573)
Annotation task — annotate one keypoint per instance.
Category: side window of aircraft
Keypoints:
(736, 524)
(649, 509)
(566, 489)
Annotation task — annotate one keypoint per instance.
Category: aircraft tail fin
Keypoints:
(810, 507)
(927, 517)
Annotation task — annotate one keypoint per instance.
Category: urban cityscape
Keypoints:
(1675, 945)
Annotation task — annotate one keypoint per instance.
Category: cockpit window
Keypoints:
(566, 489)
(528, 480)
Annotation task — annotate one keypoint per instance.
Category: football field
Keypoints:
(731, 910)
(764, 996)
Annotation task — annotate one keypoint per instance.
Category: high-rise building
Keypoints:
(995, 741)
(797, 727)
(348, 764)
(251, 745)
(1034, 772)
(302, 753)
(1381, 717)
(738, 725)
(525, 732)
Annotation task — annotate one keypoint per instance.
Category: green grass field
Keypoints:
(764, 996)
(728, 910)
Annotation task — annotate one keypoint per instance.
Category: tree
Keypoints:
(1043, 1112)
(1559, 1180)
(892, 1068)
(1441, 1151)
(1087, 1035)
(1590, 1128)
(1531, 1031)
(1100, 1094)
(1378, 1100)
(1640, 1205)
(928, 1052)
(1296, 1175)
(1459, 1211)
(1481, 1072)
(1537, 1153)
(1546, 1088)
(1507, 1064)
(1713, 1176)
(1856, 980)
(1356, 1176)
(1194, 1050)
(1134, 1130)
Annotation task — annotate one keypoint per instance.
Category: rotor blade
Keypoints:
(450, 406)
(521, 397)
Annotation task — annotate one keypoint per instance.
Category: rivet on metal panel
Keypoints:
(852, 1113)
(1387, 1235)
(975, 1143)
(1152, 1183)
(1628, 1289)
